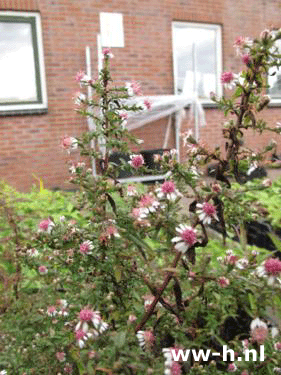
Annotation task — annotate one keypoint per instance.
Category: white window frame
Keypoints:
(275, 100)
(41, 104)
(218, 44)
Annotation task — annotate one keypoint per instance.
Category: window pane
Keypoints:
(275, 80)
(17, 66)
(195, 59)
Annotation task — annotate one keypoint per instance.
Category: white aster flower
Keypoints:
(82, 337)
(187, 236)
(146, 339)
(131, 191)
(206, 212)
(148, 204)
(32, 253)
(168, 191)
(259, 331)
(89, 317)
(242, 263)
(271, 269)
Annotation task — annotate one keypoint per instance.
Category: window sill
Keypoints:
(18, 112)
(275, 103)
(207, 105)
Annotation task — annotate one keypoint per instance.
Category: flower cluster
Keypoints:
(90, 325)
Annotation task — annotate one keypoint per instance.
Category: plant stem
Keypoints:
(168, 278)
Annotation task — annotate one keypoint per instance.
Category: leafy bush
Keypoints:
(137, 278)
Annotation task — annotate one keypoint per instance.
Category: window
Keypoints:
(197, 59)
(274, 80)
(22, 74)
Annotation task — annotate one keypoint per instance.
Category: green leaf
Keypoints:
(118, 273)
(120, 339)
(253, 302)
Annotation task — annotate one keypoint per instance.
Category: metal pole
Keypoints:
(91, 124)
(101, 140)
(195, 93)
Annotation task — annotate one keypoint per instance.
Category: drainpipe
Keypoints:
(90, 121)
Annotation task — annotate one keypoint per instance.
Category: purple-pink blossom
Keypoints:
(79, 76)
(168, 187)
(246, 58)
(136, 161)
(60, 356)
(86, 247)
(273, 266)
(227, 77)
(86, 315)
(147, 104)
(43, 270)
(223, 282)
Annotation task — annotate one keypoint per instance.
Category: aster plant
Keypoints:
(142, 279)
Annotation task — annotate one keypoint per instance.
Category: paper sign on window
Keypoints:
(111, 29)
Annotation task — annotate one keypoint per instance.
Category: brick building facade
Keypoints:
(30, 143)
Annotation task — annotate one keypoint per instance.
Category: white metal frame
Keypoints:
(34, 106)
(276, 100)
(195, 25)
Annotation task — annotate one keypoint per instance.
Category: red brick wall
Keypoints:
(29, 144)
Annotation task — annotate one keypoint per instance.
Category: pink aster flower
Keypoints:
(68, 369)
(131, 191)
(52, 310)
(111, 231)
(32, 252)
(124, 117)
(43, 270)
(83, 79)
(46, 225)
(241, 43)
(242, 263)
(206, 212)
(89, 317)
(227, 77)
(246, 58)
(216, 188)
(60, 356)
(76, 167)
(231, 367)
(147, 103)
(148, 204)
(86, 247)
(136, 161)
(271, 269)
(133, 88)
(230, 258)
(79, 76)
(132, 318)
(168, 190)
(171, 367)
(259, 331)
(82, 337)
(138, 214)
(223, 282)
(187, 236)
(69, 143)
(146, 339)
(107, 52)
